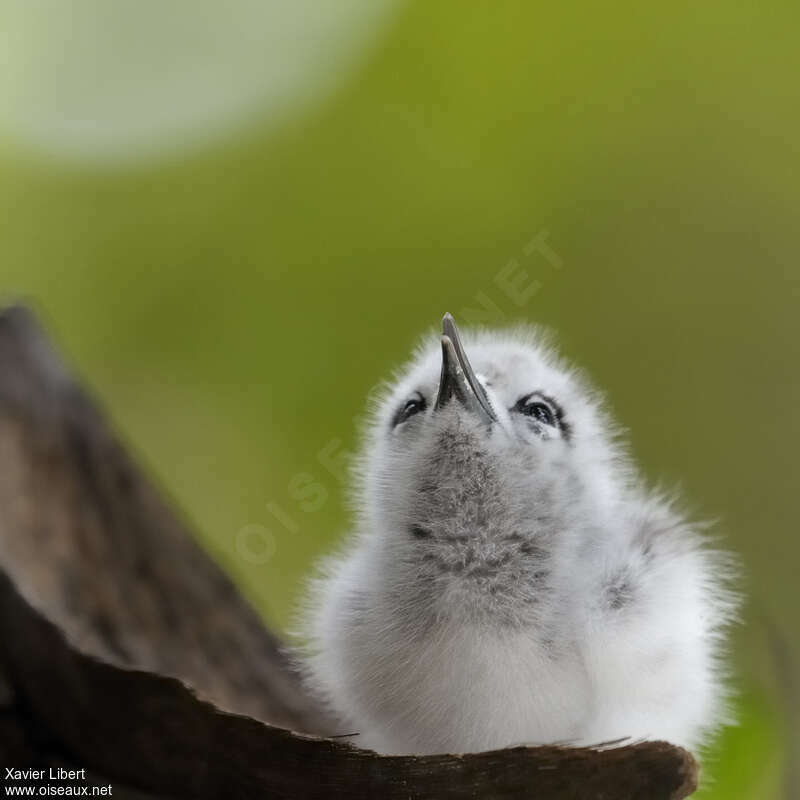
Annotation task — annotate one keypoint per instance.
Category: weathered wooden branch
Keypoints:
(128, 652)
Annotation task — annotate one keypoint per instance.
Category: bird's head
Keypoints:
(489, 463)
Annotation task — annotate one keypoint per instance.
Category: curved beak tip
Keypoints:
(458, 379)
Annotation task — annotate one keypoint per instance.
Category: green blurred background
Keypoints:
(237, 230)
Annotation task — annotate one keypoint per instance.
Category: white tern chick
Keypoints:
(510, 581)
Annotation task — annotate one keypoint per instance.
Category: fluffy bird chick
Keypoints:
(509, 580)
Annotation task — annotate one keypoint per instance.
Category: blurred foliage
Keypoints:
(233, 306)
(747, 760)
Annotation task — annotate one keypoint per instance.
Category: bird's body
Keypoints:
(509, 580)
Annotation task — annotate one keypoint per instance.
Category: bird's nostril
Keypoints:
(419, 532)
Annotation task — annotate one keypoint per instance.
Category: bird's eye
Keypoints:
(541, 412)
(412, 406)
(539, 409)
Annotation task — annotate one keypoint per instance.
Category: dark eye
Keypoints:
(412, 406)
(539, 409)
(541, 412)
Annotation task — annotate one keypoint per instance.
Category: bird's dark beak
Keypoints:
(458, 380)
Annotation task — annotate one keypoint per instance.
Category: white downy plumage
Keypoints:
(510, 580)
